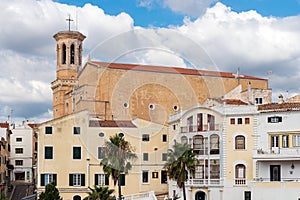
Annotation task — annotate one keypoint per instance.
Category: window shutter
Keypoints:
(96, 179)
(55, 179)
(82, 179)
(71, 180)
(42, 179)
(122, 179)
(106, 179)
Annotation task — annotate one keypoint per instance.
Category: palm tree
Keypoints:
(100, 193)
(181, 161)
(117, 156)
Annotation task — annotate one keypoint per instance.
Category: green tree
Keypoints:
(117, 154)
(100, 193)
(51, 193)
(181, 161)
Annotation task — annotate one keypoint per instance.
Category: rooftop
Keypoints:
(172, 70)
(279, 107)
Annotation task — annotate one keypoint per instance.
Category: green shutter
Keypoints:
(71, 180)
(96, 179)
(42, 179)
(55, 179)
(122, 179)
(106, 179)
(82, 179)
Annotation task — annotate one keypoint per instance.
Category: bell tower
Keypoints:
(68, 63)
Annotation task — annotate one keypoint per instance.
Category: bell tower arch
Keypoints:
(68, 63)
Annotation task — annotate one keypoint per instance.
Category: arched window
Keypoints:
(184, 140)
(72, 54)
(240, 142)
(64, 54)
(76, 197)
(214, 144)
(240, 174)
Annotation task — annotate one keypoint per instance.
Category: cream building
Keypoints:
(222, 136)
(93, 102)
(70, 154)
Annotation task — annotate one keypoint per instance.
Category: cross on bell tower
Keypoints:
(69, 21)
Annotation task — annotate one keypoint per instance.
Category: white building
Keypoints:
(21, 152)
(276, 157)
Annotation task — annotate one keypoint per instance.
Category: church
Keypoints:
(95, 100)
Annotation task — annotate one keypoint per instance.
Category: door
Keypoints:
(199, 122)
(200, 196)
(275, 173)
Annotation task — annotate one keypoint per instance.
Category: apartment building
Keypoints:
(276, 156)
(69, 152)
(222, 137)
(21, 155)
(5, 166)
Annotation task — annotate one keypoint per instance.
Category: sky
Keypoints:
(261, 37)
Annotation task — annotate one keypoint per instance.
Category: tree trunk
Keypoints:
(119, 187)
(183, 190)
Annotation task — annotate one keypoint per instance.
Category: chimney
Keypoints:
(280, 99)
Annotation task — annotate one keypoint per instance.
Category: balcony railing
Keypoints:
(240, 181)
(280, 180)
(201, 182)
(206, 151)
(276, 150)
(189, 129)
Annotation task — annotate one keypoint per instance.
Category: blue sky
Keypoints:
(207, 34)
(159, 15)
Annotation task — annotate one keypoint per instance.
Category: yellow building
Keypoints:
(70, 154)
(93, 102)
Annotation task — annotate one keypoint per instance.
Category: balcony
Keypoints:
(277, 153)
(203, 182)
(204, 128)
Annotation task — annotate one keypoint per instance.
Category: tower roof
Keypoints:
(69, 34)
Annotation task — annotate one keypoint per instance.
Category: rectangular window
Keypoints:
(285, 141)
(145, 137)
(145, 157)
(48, 130)
(275, 119)
(77, 153)
(164, 138)
(232, 121)
(76, 130)
(18, 139)
(145, 177)
(240, 121)
(164, 156)
(274, 141)
(296, 140)
(258, 100)
(122, 179)
(100, 152)
(48, 152)
(77, 180)
(101, 179)
(18, 150)
(48, 178)
(164, 177)
(19, 162)
(247, 120)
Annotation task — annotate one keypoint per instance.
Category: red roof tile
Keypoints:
(4, 125)
(279, 107)
(111, 123)
(234, 102)
(172, 70)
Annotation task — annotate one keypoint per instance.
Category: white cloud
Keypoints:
(194, 8)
